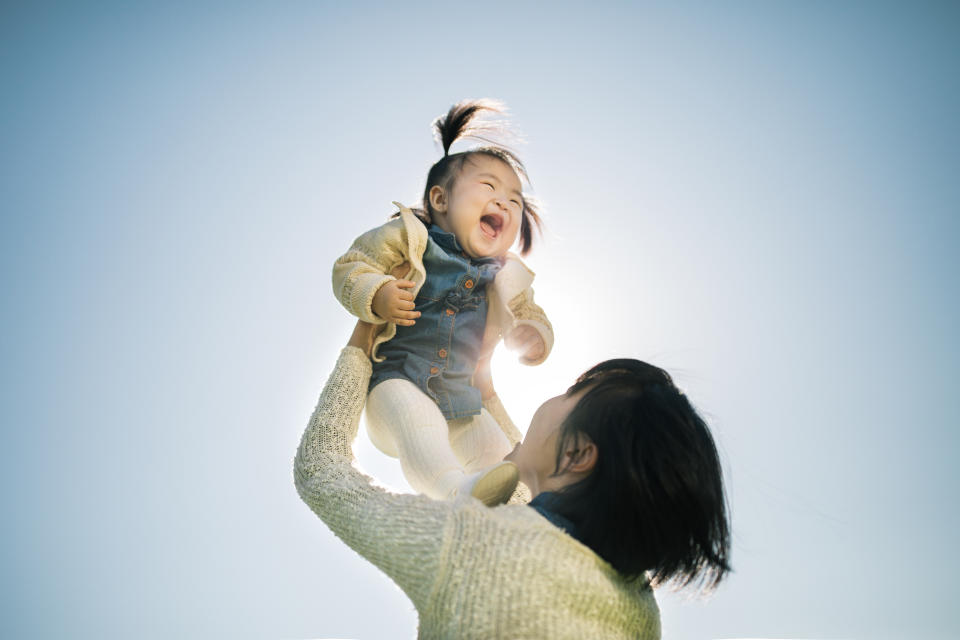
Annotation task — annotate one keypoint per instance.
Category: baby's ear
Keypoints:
(438, 198)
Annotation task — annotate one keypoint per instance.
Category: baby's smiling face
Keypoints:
(482, 208)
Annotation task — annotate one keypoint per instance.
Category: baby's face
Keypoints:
(483, 207)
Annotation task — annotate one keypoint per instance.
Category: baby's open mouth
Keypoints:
(491, 224)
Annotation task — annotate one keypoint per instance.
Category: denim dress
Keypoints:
(439, 353)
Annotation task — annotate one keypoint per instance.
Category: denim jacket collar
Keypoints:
(449, 243)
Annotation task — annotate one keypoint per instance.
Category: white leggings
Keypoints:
(435, 455)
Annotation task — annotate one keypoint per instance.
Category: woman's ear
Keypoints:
(438, 199)
(582, 456)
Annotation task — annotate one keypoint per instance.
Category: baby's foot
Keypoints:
(491, 486)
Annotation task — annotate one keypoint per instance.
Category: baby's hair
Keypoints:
(461, 122)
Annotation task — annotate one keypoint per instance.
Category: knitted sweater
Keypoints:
(470, 571)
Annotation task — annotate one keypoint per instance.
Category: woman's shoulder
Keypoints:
(521, 529)
(521, 556)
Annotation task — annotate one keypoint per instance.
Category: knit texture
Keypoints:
(470, 571)
(526, 313)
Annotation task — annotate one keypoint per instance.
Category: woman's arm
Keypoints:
(483, 380)
(401, 534)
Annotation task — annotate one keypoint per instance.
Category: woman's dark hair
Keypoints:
(461, 122)
(654, 501)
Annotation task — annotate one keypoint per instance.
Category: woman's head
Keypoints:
(635, 468)
(477, 194)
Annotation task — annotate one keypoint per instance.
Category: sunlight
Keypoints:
(512, 381)
(521, 389)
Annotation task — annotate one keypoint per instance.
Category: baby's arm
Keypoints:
(532, 333)
(364, 270)
(526, 341)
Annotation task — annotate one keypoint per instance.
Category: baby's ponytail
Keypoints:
(462, 121)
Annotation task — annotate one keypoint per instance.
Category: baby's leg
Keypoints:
(478, 441)
(402, 417)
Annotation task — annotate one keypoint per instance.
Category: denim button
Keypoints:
(468, 284)
(442, 353)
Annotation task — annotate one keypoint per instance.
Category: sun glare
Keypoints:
(522, 389)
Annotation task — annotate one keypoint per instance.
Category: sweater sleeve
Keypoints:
(526, 312)
(403, 535)
(365, 267)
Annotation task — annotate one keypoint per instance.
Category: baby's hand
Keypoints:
(527, 341)
(394, 303)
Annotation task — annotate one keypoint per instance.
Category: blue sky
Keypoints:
(760, 197)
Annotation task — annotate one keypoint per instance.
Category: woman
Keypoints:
(627, 492)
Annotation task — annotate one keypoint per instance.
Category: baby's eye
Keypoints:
(488, 184)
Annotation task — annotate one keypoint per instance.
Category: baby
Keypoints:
(461, 290)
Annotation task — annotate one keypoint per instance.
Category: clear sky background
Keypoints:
(761, 197)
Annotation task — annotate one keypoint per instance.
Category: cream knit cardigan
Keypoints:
(470, 571)
(371, 259)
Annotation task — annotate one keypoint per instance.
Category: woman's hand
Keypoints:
(362, 337)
